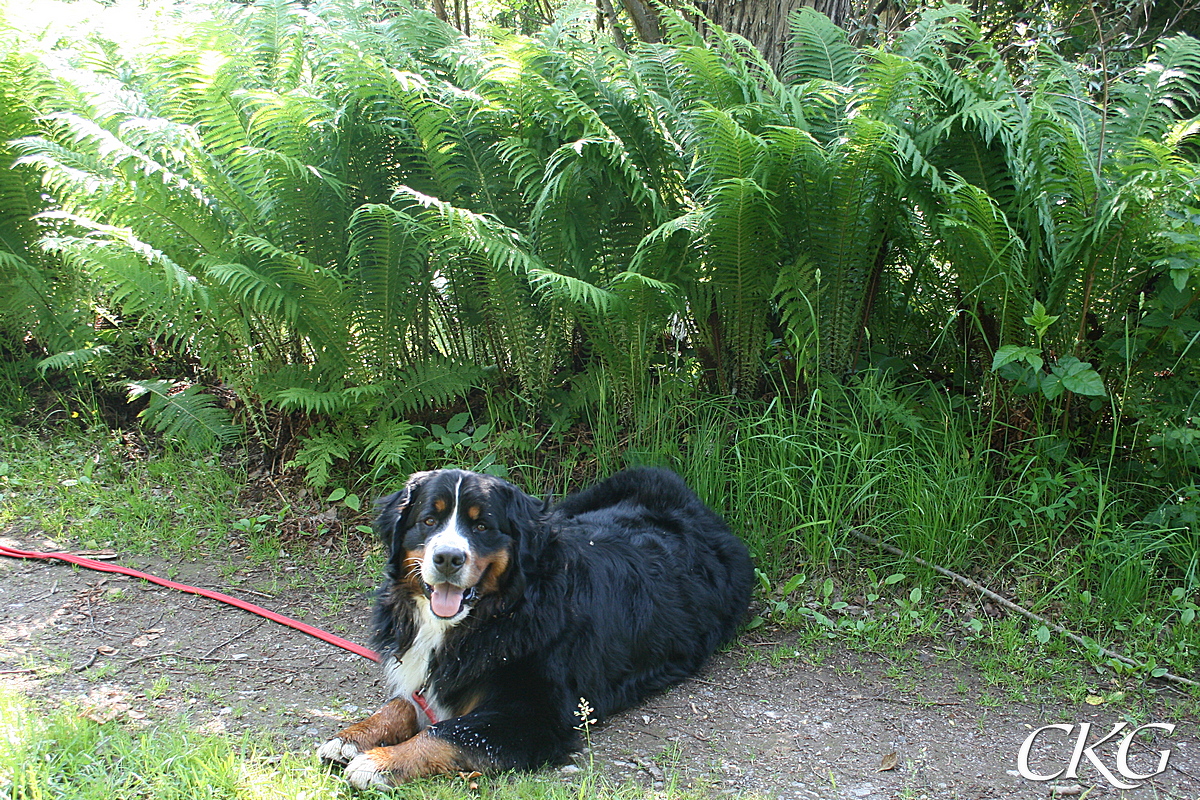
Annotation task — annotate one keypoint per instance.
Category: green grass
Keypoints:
(61, 755)
(91, 487)
(64, 755)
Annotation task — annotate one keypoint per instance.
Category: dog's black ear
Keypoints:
(522, 513)
(522, 518)
(395, 510)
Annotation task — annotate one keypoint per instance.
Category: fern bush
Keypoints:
(352, 213)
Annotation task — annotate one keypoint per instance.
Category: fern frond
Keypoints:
(318, 453)
(391, 278)
(820, 51)
(186, 415)
(796, 301)
(934, 30)
(572, 290)
(431, 384)
(388, 444)
(72, 359)
(1168, 86)
(478, 233)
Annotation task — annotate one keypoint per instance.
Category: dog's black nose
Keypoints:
(449, 559)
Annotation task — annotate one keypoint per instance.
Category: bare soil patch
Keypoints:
(827, 724)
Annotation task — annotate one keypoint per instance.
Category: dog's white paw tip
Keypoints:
(363, 774)
(337, 751)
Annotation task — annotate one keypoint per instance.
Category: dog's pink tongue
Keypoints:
(446, 599)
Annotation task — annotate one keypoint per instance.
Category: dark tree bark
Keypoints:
(608, 18)
(644, 19)
(763, 22)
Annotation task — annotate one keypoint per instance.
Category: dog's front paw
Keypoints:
(363, 772)
(338, 750)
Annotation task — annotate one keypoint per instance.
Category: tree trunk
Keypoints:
(763, 22)
(644, 19)
(608, 18)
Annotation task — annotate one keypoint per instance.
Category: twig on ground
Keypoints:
(153, 625)
(1010, 605)
(186, 657)
(726, 688)
(90, 661)
(233, 639)
(884, 699)
(282, 499)
(53, 590)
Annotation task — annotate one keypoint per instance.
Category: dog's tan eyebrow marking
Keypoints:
(439, 505)
(473, 512)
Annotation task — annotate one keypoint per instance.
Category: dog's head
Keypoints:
(454, 538)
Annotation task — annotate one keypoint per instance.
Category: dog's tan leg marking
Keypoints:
(394, 723)
(420, 756)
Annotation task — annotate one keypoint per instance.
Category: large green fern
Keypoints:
(185, 414)
(352, 213)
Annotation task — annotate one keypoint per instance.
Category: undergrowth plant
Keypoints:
(357, 211)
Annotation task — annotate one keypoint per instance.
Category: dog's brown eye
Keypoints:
(430, 521)
(481, 527)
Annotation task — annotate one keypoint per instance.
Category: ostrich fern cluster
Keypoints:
(355, 212)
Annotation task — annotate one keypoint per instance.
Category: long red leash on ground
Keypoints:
(100, 566)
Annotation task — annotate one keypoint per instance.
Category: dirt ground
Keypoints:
(828, 724)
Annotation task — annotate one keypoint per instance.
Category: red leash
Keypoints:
(423, 704)
(224, 598)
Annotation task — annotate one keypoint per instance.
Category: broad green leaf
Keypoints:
(1179, 277)
(1013, 352)
(1051, 386)
(793, 583)
(1078, 376)
(1087, 382)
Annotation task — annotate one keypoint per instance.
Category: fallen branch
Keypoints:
(204, 659)
(902, 701)
(1010, 605)
(90, 661)
(232, 639)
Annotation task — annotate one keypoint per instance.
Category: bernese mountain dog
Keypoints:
(500, 615)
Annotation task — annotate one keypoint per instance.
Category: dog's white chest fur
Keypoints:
(408, 672)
